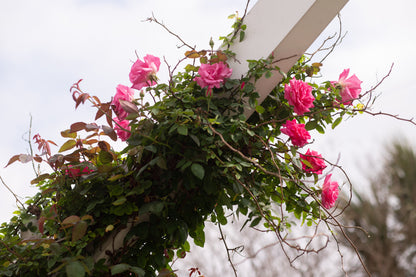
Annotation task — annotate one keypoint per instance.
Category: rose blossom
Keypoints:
(297, 132)
(317, 164)
(74, 172)
(143, 73)
(212, 75)
(123, 93)
(329, 192)
(350, 88)
(299, 95)
(122, 134)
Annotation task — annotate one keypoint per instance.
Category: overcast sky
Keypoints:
(47, 45)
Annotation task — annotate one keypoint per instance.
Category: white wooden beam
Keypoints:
(284, 28)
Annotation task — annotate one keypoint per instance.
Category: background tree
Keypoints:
(388, 216)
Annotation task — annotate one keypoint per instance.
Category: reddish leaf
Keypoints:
(109, 118)
(104, 146)
(81, 99)
(128, 106)
(92, 135)
(77, 126)
(38, 158)
(90, 142)
(70, 220)
(103, 109)
(91, 127)
(78, 101)
(110, 132)
(13, 159)
(97, 99)
(41, 222)
(50, 141)
(73, 157)
(79, 230)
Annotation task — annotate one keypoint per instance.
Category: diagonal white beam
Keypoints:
(284, 28)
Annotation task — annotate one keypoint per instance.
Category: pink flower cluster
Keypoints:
(316, 163)
(296, 132)
(330, 192)
(350, 87)
(299, 95)
(74, 172)
(142, 74)
(212, 75)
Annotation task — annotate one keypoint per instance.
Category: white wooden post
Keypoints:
(284, 28)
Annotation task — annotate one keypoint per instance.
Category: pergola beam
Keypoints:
(284, 28)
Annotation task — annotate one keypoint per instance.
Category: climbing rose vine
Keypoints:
(190, 156)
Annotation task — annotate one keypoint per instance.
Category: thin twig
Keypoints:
(15, 195)
(153, 19)
(29, 140)
(228, 251)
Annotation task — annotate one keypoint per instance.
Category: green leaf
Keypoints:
(69, 144)
(120, 201)
(255, 222)
(336, 122)
(105, 157)
(154, 207)
(198, 170)
(320, 129)
(242, 35)
(75, 269)
(67, 134)
(195, 139)
(151, 148)
(311, 125)
(259, 109)
(40, 178)
(182, 130)
(119, 268)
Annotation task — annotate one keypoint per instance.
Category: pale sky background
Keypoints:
(47, 45)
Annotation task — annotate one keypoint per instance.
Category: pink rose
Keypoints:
(350, 88)
(317, 164)
(75, 171)
(123, 93)
(299, 95)
(212, 75)
(122, 134)
(329, 192)
(143, 73)
(297, 132)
